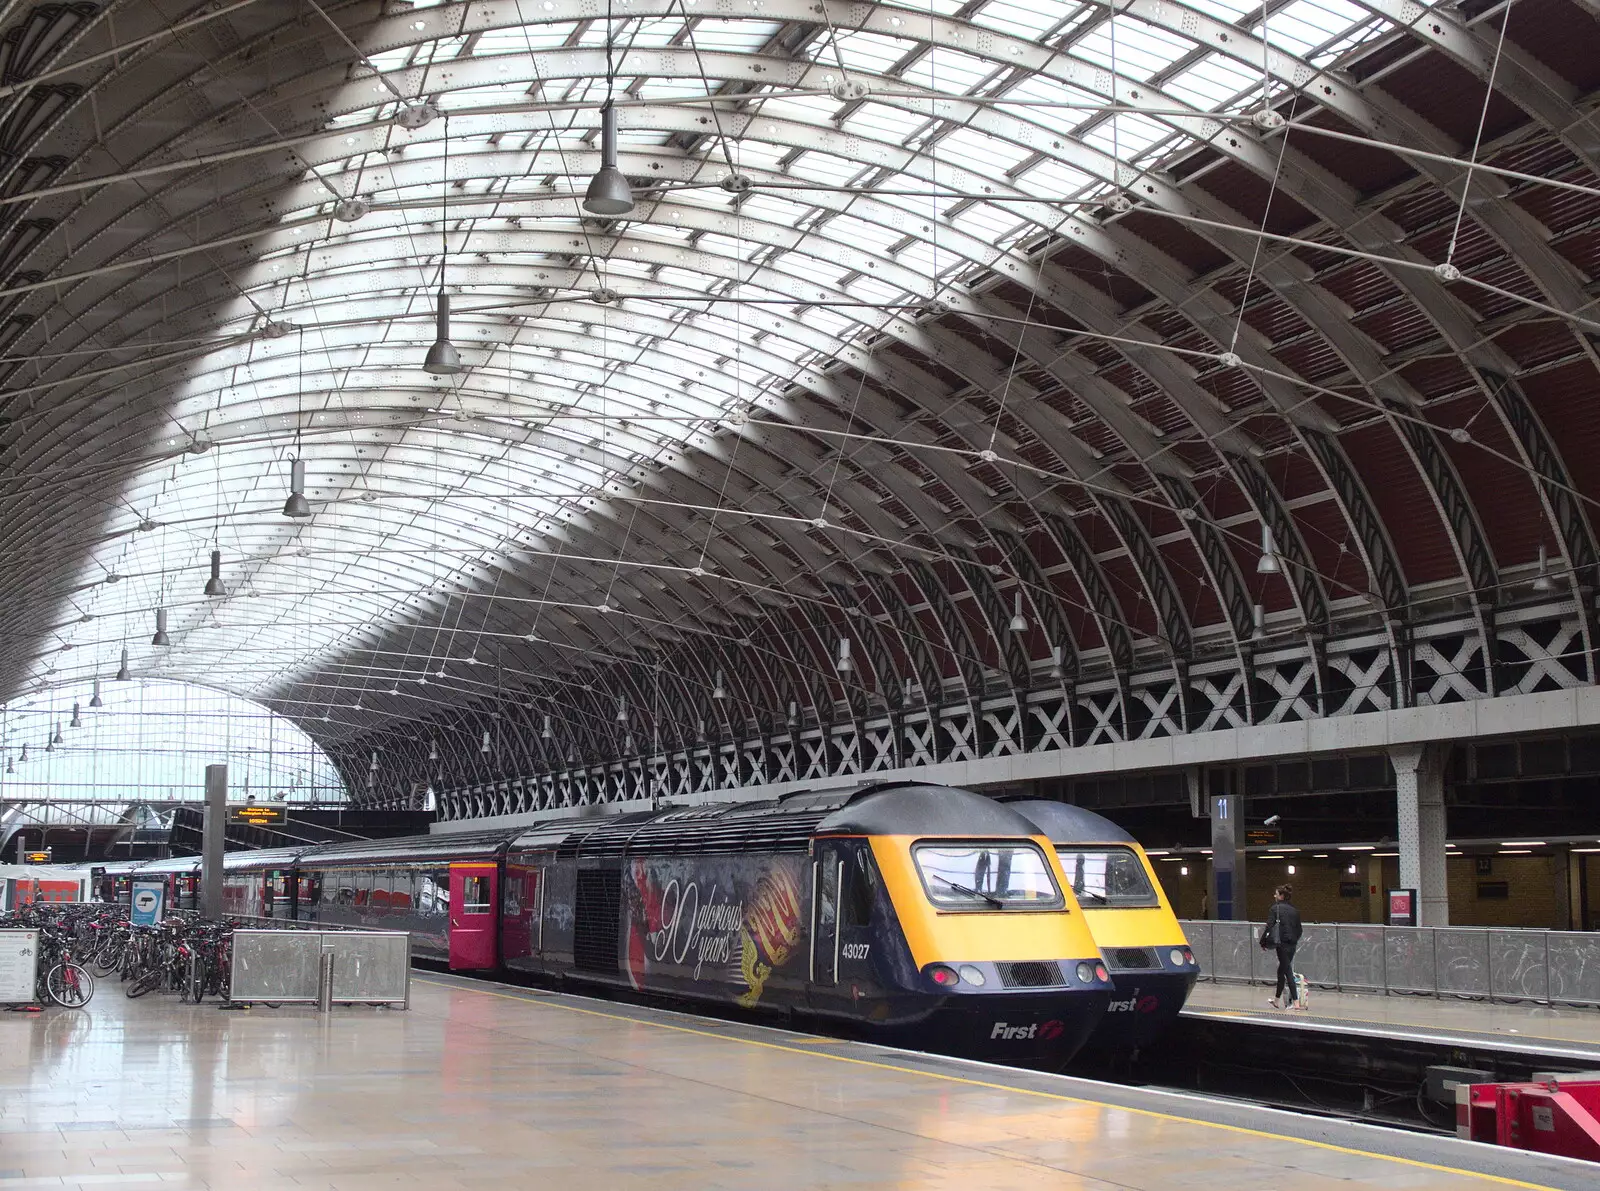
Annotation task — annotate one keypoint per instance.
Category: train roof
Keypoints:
(444, 847)
(1067, 824)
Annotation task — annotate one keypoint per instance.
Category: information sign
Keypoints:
(19, 956)
(36, 858)
(257, 814)
(149, 900)
(1402, 907)
(1263, 837)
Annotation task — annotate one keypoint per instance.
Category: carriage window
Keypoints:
(1106, 877)
(860, 880)
(475, 895)
(987, 876)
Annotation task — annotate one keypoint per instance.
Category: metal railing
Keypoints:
(1473, 962)
(321, 967)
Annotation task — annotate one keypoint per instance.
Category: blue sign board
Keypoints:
(149, 902)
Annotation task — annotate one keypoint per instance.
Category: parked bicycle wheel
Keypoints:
(108, 960)
(143, 982)
(69, 985)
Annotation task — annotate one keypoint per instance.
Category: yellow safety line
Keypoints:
(1501, 1180)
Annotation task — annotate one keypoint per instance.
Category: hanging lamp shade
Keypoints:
(214, 587)
(10, 766)
(58, 738)
(1268, 563)
(1019, 622)
(161, 637)
(608, 193)
(123, 673)
(373, 768)
(95, 700)
(1542, 581)
(485, 746)
(546, 733)
(297, 505)
(443, 359)
(23, 756)
(433, 750)
(77, 718)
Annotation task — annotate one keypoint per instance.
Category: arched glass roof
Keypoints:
(902, 284)
(151, 741)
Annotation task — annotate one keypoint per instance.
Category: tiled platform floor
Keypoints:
(1512, 1025)
(479, 1086)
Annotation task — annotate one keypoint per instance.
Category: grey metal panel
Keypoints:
(1518, 965)
(1574, 967)
(1461, 961)
(1361, 960)
(370, 966)
(1408, 960)
(1199, 936)
(1231, 946)
(275, 965)
(1317, 958)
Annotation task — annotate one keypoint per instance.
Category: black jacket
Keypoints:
(1283, 925)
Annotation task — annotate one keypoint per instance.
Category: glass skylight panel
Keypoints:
(1026, 19)
(883, 122)
(724, 34)
(1226, 10)
(1126, 135)
(1139, 50)
(1213, 82)
(949, 71)
(869, 52)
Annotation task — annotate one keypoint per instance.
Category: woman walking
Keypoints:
(1282, 934)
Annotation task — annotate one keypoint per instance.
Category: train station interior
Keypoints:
(784, 562)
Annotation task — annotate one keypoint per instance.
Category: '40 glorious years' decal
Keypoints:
(730, 920)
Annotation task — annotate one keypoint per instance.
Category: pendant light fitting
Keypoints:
(214, 587)
(608, 193)
(1542, 581)
(1268, 563)
(442, 358)
(1019, 622)
(123, 673)
(95, 700)
(58, 738)
(161, 637)
(77, 718)
(297, 505)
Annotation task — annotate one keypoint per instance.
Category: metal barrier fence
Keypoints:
(324, 968)
(1475, 962)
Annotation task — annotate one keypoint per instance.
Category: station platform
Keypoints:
(479, 1084)
(1570, 1035)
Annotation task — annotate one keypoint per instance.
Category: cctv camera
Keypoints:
(1272, 820)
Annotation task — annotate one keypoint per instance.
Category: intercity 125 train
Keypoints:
(1132, 922)
(921, 915)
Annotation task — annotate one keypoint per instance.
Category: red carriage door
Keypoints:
(474, 896)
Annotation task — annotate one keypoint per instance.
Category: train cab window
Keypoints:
(860, 881)
(1106, 876)
(986, 876)
(475, 895)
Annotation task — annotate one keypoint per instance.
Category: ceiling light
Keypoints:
(546, 733)
(77, 718)
(23, 756)
(484, 747)
(1268, 563)
(10, 768)
(1056, 669)
(58, 738)
(95, 700)
(373, 766)
(1258, 622)
(622, 711)
(1019, 622)
(794, 715)
(718, 691)
(443, 359)
(161, 637)
(123, 673)
(297, 506)
(1542, 581)
(433, 750)
(844, 665)
(214, 587)
(608, 192)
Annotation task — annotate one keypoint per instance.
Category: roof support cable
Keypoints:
(1448, 271)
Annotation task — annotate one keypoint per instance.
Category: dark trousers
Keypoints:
(1286, 971)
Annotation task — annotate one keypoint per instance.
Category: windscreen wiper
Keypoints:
(1080, 894)
(988, 897)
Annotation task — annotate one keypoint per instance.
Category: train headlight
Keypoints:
(972, 974)
(1177, 957)
(1085, 973)
(944, 976)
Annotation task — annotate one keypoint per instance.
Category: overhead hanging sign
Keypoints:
(1263, 837)
(19, 958)
(36, 858)
(257, 814)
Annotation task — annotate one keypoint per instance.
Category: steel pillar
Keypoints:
(216, 820)
(1419, 798)
(1228, 887)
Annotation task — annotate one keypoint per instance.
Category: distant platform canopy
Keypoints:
(151, 740)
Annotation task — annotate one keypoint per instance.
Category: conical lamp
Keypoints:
(123, 673)
(161, 637)
(95, 700)
(23, 756)
(608, 193)
(297, 505)
(443, 359)
(58, 738)
(214, 587)
(77, 718)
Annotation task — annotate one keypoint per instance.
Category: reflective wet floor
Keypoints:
(479, 1085)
